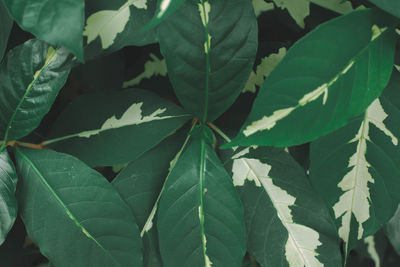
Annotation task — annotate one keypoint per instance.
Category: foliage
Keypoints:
(199, 133)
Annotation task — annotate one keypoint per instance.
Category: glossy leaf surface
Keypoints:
(287, 222)
(8, 202)
(164, 9)
(31, 76)
(59, 23)
(356, 169)
(331, 75)
(221, 52)
(73, 214)
(200, 216)
(105, 129)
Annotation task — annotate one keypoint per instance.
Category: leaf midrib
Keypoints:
(27, 91)
(63, 206)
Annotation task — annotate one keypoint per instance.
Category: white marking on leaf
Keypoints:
(261, 6)
(106, 24)
(132, 116)
(163, 7)
(376, 31)
(268, 122)
(152, 68)
(356, 197)
(204, 240)
(302, 242)
(371, 248)
(149, 222)
(204, 9)
(263, 70)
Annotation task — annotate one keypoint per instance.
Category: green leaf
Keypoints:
(105, 129)
(59, 23)
(356, 168)
(393, 231)
(8, 202)
(287, 222)
(331, 75)
(164, 9)
(200, 216)
(73, 214)
(222, 53)
(31, 76)
(6, 24)
(140, 183)
(112, 25)
(391, 6)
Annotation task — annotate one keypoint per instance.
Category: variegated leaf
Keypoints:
(287, 223)
(309, 82)
(111, 25)
(98, 128)
(357, 168)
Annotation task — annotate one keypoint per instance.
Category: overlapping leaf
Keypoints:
(140, 183)
(200, 216)
(209, 57)
(287, 223)
(328, 77)
(105, 129)
(391, 6)
(8, 202)
(59, 23)
(5, 29)
(357, 168)
(31, 76)
(73, 214)
(164, 9)
(111, 25)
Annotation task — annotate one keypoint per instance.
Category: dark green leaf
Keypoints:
(31, 76)
(59, 23)
(287, 222)
(200, 216)
(209, 48)
(8, 203)
(164, 9)
(5, 29)
(391, 6)
(110, 128)
(357, 168)
(73, 214)
(111, 25)
(393, 231)
(328, 77)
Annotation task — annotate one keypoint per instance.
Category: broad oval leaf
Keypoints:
(140, 184)
(59, 23)
(287, 222)
(222, 53)
(391, 6)
(73, 214)
(111, 25)
(8, 202)
(357, 170)
(109, 128)
(200, 216)
(31, 76)
(331, 76)
(6, 24)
